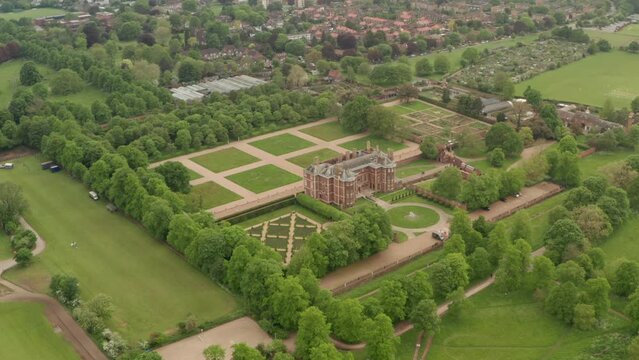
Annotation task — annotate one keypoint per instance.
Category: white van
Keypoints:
(93, 195)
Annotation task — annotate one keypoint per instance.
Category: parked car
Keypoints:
(94, 195)
(7, 166)
(440, 235)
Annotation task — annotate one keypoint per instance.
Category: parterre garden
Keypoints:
(430, 120)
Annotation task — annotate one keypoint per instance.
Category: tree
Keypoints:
(288, 300)
(533, 97)
(393, 300)
(446, 96)
(511, 270)
(347, 320)
(65, 82)
(354, 116)
(382, 122)
(449, 274)
(441, 64)
(584, 318)
(157, 216)
(149, 356)
(189, 71)
(568, 144)
(504, 86)
(326, 351)
(65, 288)
(632, 307)
(144, 71)
(391, 74)
(564, 240)
(455, 244)
(313, 331)
(593, 222)
(428, 147)
(23, 256)
(564, 168)
(425, 317)
(471, 55)
(496, 157)
(520, 228)
(543, 272)
(480, 191)
(297, 77)
(381, 341)
(417, 288)
(608, 110)
(406, 92)
(625, 278)
(176, 176)
(598, 295)
(634, 105)
(129, 31)
(423, 67)
(449, 183)
(561, 302)
(570, 271)
(12, 203)
(29, 74)
(501, 135)
(242, 351)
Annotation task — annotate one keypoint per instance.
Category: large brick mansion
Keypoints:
(342, 180)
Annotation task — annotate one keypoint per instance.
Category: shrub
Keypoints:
(320, 208)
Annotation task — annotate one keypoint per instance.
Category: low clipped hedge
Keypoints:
(320, 208)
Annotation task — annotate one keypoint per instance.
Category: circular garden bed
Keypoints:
(413, 217)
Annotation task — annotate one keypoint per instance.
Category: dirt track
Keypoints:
(57, 315)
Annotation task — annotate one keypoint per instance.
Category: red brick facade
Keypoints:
(342, 180)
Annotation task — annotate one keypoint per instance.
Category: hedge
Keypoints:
(320, 208)
(261, 210)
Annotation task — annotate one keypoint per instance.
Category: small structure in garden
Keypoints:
(447, 156)
(342, 180)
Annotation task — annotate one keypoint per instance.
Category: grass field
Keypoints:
(223, 160)
(384, 144)
(307, 159)
(592, 164)
(10, 75)
(413, 217)
(27, 334)
(210, 194)
(31, 13)
(410, 107)
(621, 38)
(5, 247)
(414, 168)
(193, 175)
(151, 286)
(622, 243)
(328, 131)
(592, 80)
(282, 144)
(264, 178)
(512, 327)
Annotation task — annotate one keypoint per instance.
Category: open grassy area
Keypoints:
(308, 158)
(592, 80)
(414, 168)
(10, 75)
(226, 159)
(193, 175)
(484, 164)
(592, 164)
(151, 286)
(623, 242)
(410, 107)
(513, 327)
(384, 144)
(282, 144)
(27, 334)
(621, 38)
(5, 247)
(328, 131)
(413, 217)
(264, 178)
(31, 13)
(210, 194)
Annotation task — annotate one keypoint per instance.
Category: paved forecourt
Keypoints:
(256, 153)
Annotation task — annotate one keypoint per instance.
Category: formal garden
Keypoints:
(210, 194)
(264, 178)
(281, 144)
(226, 159)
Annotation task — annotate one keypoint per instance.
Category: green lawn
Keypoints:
(31, 13)
(5, 247)
(484, 165)
(210, 194)
(384, 144)
(511, 327)
(413, 217)
(622, 38)
(10, 75)
(282, 144)
(592, 80)
(151, 286)
(193, 175)
(592, 164)
(226, 159)
(264, 178)
(328, 131)
(623, 242)
(27, 334)
(414, 168)
(307, 159)
(410, 107)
